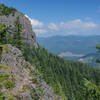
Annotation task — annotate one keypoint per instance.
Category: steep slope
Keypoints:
(19, 80)
(66, 77)
(8, 16)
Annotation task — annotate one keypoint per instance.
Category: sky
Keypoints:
(60, 17)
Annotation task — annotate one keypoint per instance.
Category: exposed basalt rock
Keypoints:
(28, 34)
(19, 71)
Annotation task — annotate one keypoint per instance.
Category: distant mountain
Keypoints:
(78, 45)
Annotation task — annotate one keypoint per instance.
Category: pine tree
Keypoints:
(92, 91)
(17, 38)
(3, 31)
(98, 47)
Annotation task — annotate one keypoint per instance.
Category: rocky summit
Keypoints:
(27, 32)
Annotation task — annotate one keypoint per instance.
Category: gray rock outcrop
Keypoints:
(27, 32)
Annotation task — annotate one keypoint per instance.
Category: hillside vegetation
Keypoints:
(4, 10)
(66, 77)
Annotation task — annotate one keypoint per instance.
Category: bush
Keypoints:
(9, 84)
(1, 97)
(0, 50)
(4, 10)
(3, 77)
(0, 86)
(3, 31)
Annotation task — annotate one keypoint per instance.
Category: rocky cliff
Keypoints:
(19, 80)
(27, 32)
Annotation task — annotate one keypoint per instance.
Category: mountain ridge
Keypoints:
(75, 44)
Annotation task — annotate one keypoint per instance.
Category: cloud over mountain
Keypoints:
(53, 27)
(34, 22)
(73, 27)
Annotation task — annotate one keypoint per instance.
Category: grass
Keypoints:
(1, 97)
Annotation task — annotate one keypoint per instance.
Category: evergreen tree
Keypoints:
(17, 38)
(92, 91)
(3, 31)
(98, 47)
(65, 77)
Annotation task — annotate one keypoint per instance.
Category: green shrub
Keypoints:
(65, 77)
(3, 77)
(1, 97)
(0, 50)
(3, 31)
(9, 84)
(4, 10)
(0, 86)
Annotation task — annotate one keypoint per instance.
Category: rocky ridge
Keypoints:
(28, 82)
(27, 32)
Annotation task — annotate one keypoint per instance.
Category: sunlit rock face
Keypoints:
(27, 32)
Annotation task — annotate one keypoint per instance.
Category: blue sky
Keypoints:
(60, 17)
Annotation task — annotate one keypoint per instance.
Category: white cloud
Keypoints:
(78, 27)
(78, 24)
(73, 27)
(38, 26)
(35, 23)
(40, 31)
(53, 27)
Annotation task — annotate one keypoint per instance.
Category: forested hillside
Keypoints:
(66, 77)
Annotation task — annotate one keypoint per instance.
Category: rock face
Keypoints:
(28, 81)
(28, 34)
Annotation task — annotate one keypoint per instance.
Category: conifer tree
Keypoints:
(3, 31)
(98, 47)
(17, 38)
(92, 91)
